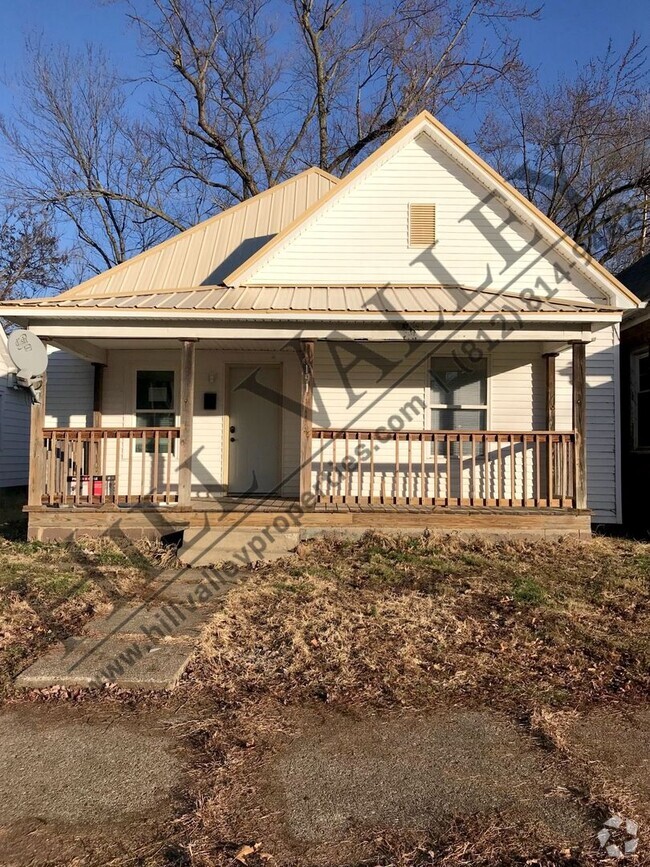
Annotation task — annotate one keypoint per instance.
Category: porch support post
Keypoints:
(306, 354)
(580, 422)
(98, 393)
(549, 358)
(36, 487)
(187, 420)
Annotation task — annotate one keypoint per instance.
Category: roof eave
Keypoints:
(22, 315)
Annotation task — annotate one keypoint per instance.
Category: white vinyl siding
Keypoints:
(361, 236)
(69, 393)
(14, 434)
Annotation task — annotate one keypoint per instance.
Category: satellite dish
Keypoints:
(28, 353)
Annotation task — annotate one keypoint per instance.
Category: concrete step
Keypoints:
(130, 662)
(241, 545)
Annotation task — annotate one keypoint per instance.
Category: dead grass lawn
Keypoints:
(408, 621)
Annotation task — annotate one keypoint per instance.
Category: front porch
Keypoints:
(154, 481)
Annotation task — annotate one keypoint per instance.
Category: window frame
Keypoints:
(163, 442)
(485, 407)
(436, 406)
(635, 381)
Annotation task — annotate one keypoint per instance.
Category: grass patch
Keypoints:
(528, 591)
(392, 621)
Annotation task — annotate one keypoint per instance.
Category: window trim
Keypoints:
(488, 392)
(151, 368)
(635, 376)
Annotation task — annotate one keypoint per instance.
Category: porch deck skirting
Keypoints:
(155, 522)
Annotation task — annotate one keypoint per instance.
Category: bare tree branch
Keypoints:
(579, 150)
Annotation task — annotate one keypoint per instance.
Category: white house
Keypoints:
(412, 346)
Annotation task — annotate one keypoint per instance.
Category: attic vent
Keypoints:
(422, 224)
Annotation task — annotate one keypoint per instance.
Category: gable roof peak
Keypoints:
(493, 182)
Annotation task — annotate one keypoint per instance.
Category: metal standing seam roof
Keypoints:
(322, 299)
(205, 253)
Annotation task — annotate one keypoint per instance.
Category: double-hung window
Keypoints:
(458, 396)
(154, 405)
(641, 400)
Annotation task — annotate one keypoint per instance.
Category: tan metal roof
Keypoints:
(321, 299)
(204, 254)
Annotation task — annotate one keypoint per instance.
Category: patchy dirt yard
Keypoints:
(408, 637)
(407, 702)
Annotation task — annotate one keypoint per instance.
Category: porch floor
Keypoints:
(269, 503)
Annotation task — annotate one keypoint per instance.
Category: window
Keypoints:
(154, 404)
(641, 399)
(422, 224)
(458, 397)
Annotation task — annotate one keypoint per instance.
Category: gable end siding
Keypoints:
(359, 236)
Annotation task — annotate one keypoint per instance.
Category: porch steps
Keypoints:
(208, 546)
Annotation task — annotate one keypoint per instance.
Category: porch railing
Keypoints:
(445, 468)
(110, 465)
(95, 466)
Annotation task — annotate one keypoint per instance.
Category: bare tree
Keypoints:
(240, 95)
(31, 260)
(254, 90)
(80, 151)
(580, 151)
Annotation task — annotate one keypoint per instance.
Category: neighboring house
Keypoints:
(412, 346)
(14, 426)
(635, 397)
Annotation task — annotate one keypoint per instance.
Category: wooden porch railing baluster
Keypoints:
(83, 466)
(359, 469)
(423, 489)
(68, 461)
(541, 453)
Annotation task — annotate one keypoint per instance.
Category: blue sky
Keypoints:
(569, 33)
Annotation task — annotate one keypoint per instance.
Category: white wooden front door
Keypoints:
(254, 431)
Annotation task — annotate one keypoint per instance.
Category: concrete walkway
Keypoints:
(86, 784)
(145, 645)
